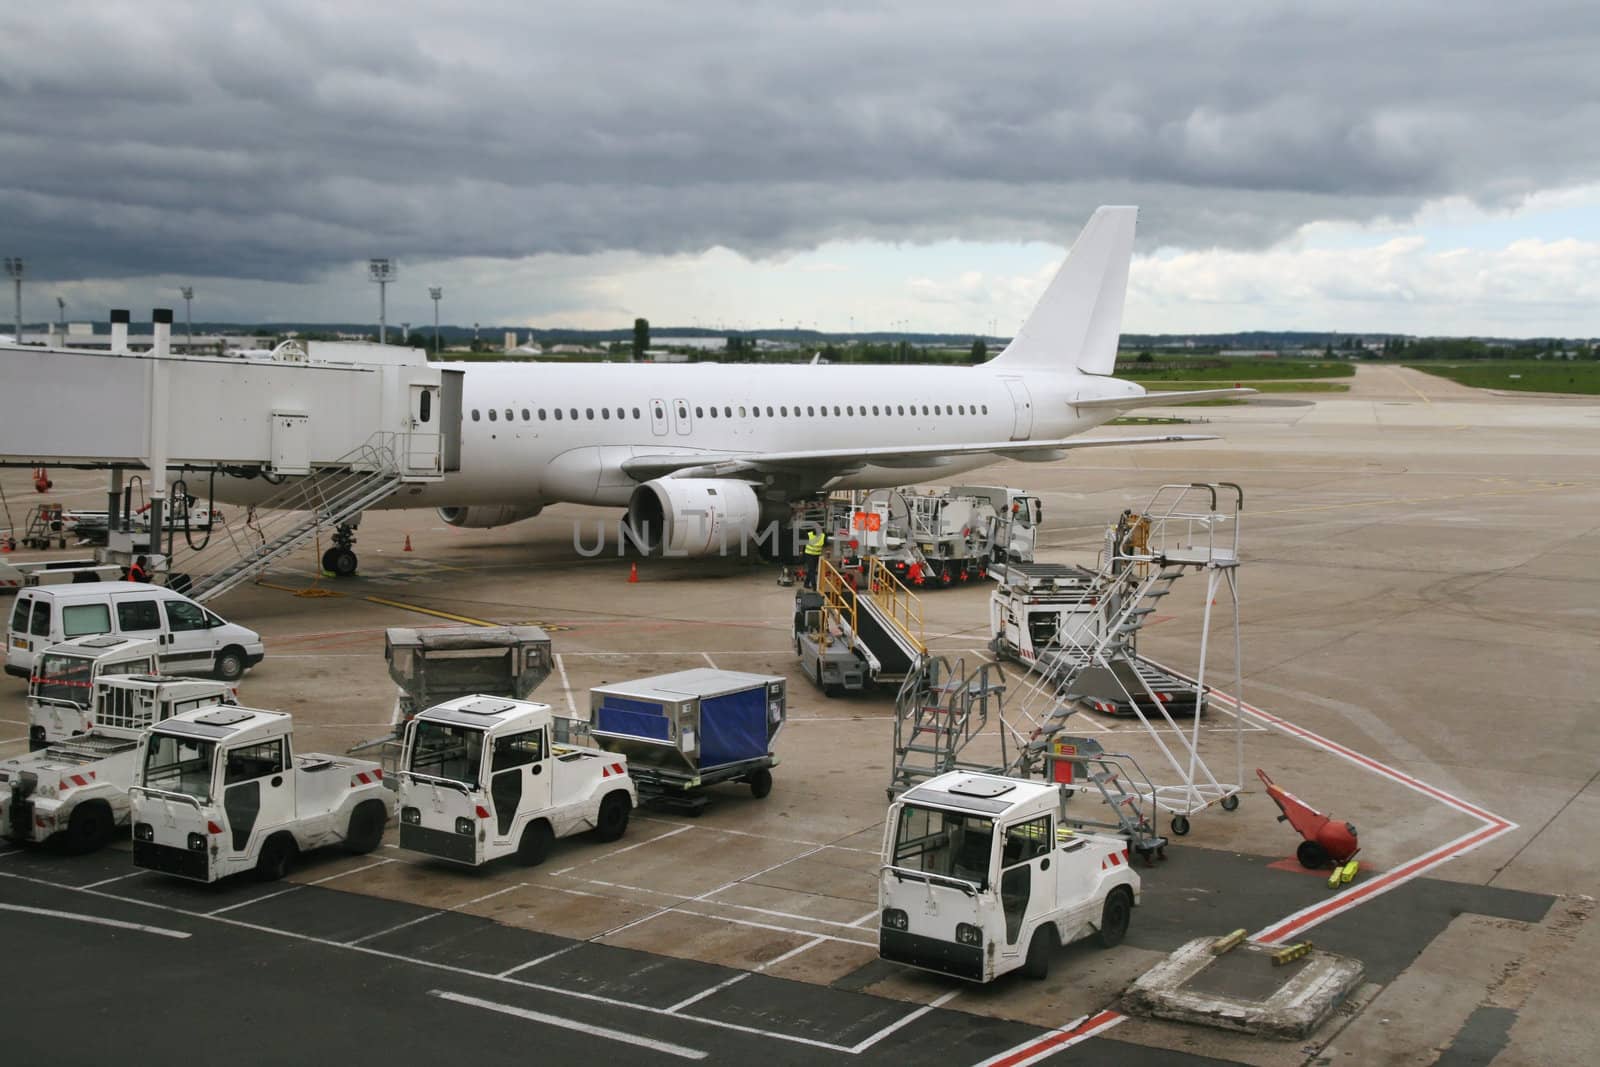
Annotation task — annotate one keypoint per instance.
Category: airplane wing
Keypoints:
(1151, 400)
(844, 460)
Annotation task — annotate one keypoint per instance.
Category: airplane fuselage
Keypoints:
(544, 433)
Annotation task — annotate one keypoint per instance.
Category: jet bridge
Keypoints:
(376, 416)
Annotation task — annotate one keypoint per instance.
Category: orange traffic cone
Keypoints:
(408, 544)
(633, 572)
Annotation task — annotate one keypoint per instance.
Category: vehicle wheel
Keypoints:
(230, 664)
(330, 559)
(365, 832)
(344, 562)
(1230, 802)
(276, 855)
(1037, 965)
(1114, 916)
(760, 783)
(612, 821)
(535, 844)
(1312, 856)
(90, 827)
(1180, 826)
(831, 690)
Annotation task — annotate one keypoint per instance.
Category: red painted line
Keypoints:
(1056, 1041)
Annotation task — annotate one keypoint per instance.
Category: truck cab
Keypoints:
(485, 777)
(980, 877)
(78, 787)
(62, 682)
(219, 791)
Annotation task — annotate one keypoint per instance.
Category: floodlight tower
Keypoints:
(435, 291)
(382, 272)
(188, 312)
(14, 272)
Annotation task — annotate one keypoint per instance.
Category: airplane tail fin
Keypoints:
(1078, 321)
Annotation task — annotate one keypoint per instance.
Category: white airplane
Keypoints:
(707, 455)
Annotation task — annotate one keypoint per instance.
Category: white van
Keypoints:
(192, 639)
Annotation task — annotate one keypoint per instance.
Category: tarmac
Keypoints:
(1420, 609)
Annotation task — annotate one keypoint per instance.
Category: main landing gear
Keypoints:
(341, 560)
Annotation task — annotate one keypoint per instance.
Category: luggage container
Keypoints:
(684, 731)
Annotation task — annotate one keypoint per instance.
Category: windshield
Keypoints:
(442, 750)
(58, 677)
(179, 765)
(944, 842)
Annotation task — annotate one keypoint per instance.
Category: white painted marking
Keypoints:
(709, 661)
(540, 959)
(118, 878)
(630, 848)
(97, 920)
(792, 953)
(873, 914)
(681, 1051)
(253, 900)
(567, 685)
(346, 874)
(397, 926)
(905, 1020)
(704, 993)
(14, 740)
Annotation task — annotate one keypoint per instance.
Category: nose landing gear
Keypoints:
(340, 560)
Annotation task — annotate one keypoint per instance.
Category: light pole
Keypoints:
(435, 291)
(382, 272)
(405, 333)
(188, 312)
(61, 314)
(14, 271)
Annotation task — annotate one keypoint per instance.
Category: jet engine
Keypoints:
(695, 517)
(483, 517)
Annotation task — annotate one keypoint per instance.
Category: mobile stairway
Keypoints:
(940, 709)
(851, 635)
(1183, 529)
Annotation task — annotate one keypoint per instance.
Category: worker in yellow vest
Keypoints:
(815, 540)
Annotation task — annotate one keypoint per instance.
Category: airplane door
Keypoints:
(1022, 409)
(658, 417)
(423, 438)
(680, 408)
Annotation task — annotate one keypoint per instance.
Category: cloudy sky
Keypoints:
(1424, 167)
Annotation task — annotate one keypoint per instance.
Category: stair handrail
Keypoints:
(901, 606)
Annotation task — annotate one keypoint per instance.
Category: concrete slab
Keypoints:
(1243, 990)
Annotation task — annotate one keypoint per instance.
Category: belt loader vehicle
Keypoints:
(979, 878)
(77, 788)
(485, 777)
(62, 681)
(219, 791)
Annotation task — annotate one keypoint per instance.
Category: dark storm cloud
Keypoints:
(272, 140)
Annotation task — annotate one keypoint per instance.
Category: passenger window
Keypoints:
(660, 412)
(574, 413)
(509, 415)
(727, 411)
(784, 411)
(924, 409)
(699, 412)
(636, 413)
(902, 409)
(474, 414)
(558, 414)
(755, 410)
(961, 409)
(713, 411)
(588, 413)
(254, 761)
(1026, 841)
(138, 615)
(811, 410)
(850, 409)
(525, 416)
(741, 411)
(517, 750)
(836, 409)
(492, 415)
(874, 409)
(541, 414)
(986, 409)
(183, 616)
(605, 413)
(41, 619)
(81, 620)
(769, 411)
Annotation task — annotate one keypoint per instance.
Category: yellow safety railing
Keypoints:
(838, 605)
(901, 605)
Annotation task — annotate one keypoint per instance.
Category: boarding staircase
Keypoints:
(326, 499)
(1183, 529)
(940, 709)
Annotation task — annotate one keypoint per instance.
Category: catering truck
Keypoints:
(980, 878)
